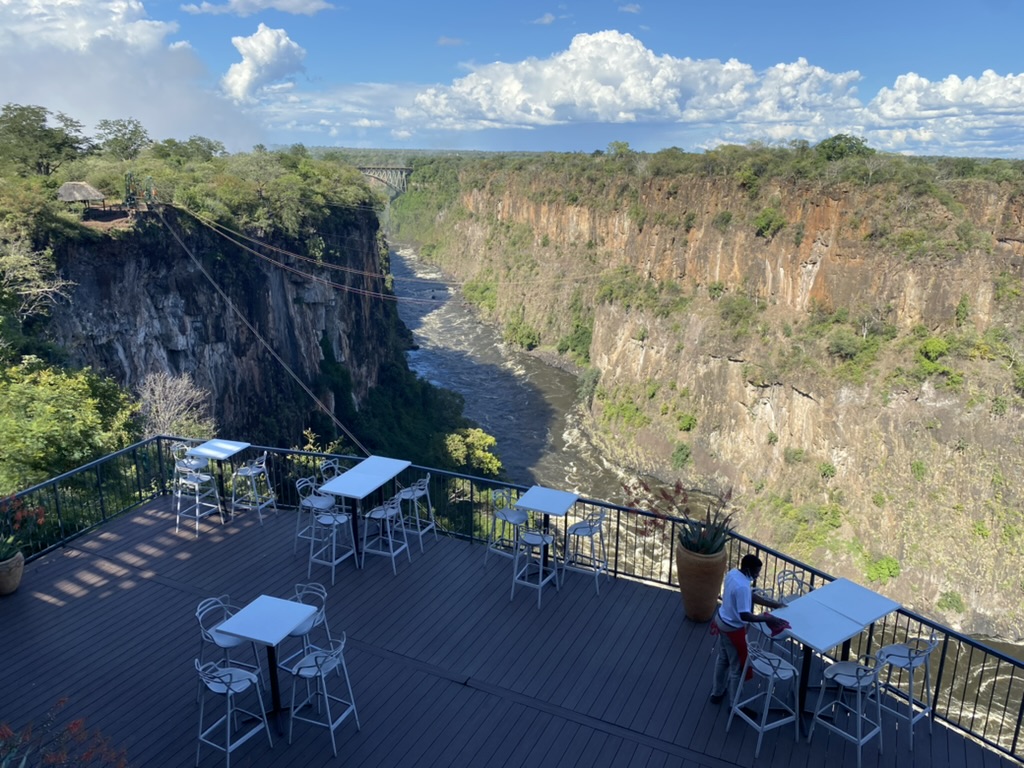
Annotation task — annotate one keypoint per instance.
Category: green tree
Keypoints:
(842, 145)
(123, 138)
(470, 450)
(30, 144)
(52, 421)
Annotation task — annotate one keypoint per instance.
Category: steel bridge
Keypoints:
(395, 177)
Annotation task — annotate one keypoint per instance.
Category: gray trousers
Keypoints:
(727, 665)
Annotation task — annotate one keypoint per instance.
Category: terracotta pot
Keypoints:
(10, 573)
(700, 582)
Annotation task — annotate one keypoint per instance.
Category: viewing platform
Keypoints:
(446, 669)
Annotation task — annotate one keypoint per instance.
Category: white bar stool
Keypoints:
(772, 670)
(500, 540)
(860, 680)
(388, 521)
(592, 529)
(908, 657)
(534, 548)
(256, 492)
(195, 497)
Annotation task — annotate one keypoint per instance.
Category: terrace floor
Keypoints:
(446, 670)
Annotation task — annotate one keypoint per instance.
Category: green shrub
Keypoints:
(918, 470)
(951, 601)
(680, 456)
(520, 333)
(827, 470)
(793, 455)
(883, 569)
(878, 499)
(773, 438)
(483, 293)
(716, 290)
(934, 348)
(722, 220)
(587, 385)
(687, 422)
(999, 405)
(845, 344)
(768, 223)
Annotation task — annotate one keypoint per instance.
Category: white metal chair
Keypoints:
(185, 463)
(328, 545)
(329, 469)
(211, 613)
(506, 523)
(316, 666)
(770, 671)
(251, 489)
(311, 504)
(195, 497)
(592, 529)
(539, 564)
(315, 594)
(415, 522)
(854, 722)
(789, 585)
(388, 523)
(229, 682)
(907, 658)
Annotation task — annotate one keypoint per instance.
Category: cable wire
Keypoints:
(256, 334)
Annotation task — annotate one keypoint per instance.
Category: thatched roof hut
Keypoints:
(78, 192)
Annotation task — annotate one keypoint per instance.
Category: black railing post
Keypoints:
(937, 685)
(60, 515)
(1016, 729)
(99, 492)
(618, 527)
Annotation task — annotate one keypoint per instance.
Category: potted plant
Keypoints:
(699, 547)
(701, 561)
(17, 522)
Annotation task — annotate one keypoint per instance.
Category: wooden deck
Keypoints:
(446, 670)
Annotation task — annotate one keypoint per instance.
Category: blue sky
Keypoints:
(911, 77)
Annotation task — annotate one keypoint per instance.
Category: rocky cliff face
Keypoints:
(141, 304)
(792, 370)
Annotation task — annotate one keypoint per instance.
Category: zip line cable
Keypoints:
(260, 338)
(221, 229)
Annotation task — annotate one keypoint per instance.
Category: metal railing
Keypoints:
(976, 689)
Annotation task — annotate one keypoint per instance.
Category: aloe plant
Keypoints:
(706, 536)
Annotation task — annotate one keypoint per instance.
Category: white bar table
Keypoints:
(268, 620)
(548, 502)
(831, 616)
(219, 451)
(363, 479)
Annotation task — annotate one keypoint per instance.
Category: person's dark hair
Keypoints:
(750, 564)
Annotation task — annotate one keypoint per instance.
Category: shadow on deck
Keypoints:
(446, 670)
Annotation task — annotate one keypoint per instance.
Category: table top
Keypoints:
(267, 620)
(217, 449)
(830, 615)
(854, 601)
(547, 501)
(365, 477)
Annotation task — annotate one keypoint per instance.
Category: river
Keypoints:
(526, 404)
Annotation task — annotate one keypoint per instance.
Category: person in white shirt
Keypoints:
(730, 624)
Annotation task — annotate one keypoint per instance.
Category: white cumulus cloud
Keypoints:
(249, 7)
(612, 77)
(78, 24)
(268, 56)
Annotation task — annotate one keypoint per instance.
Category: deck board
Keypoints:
(447, 670)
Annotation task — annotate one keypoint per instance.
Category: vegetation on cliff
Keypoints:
(315, 210)
(835, 333)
